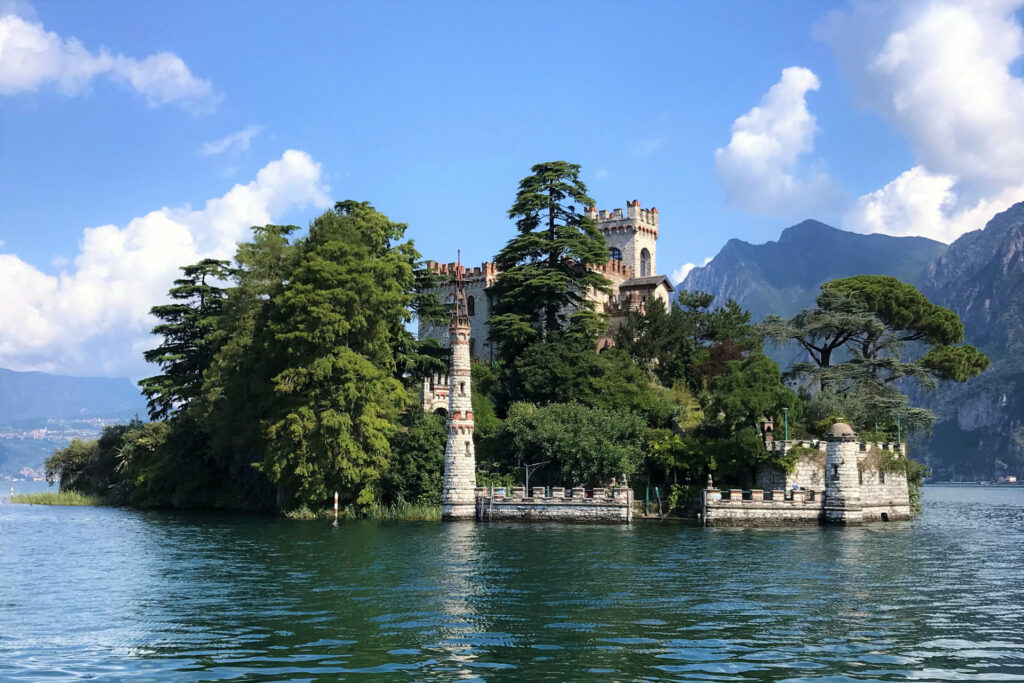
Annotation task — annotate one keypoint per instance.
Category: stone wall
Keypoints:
(760, 508)
(880, 492)
(600, 506)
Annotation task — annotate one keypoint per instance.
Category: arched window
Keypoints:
(615, 253)
(471, 305)
(645, 263)
(462, 388)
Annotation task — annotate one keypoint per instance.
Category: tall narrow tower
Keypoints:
(458, 499)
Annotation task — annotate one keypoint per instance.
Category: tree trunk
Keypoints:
(551, 312)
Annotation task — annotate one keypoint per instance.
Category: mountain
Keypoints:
(980, 277)
(40, 412)
(29, 395)
(783, 277)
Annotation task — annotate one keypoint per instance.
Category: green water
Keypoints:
(115, 594)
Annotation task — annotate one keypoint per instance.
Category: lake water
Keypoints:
(115, 594)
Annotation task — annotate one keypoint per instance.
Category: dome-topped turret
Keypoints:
(841, 431)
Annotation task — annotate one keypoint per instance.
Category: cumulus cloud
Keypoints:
(94, 318)
(680, 273)
(235, 143)
(940, 72)
(32, 57)
(762, 168)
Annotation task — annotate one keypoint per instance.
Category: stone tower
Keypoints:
(458, 499)
(842, 484)
(632, 238)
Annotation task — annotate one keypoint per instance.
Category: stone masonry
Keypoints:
(842, 482)
(458, 499)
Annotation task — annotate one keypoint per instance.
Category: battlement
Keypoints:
(635, 218)
(485, 271)
(577, 504)
(757, 507)
(614, 269)
(820, 444)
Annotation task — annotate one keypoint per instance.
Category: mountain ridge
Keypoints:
(980, 276)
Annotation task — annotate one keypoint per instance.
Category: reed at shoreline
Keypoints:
(399, 511)
(55, 498)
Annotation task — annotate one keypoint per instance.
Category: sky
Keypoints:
(139, 137)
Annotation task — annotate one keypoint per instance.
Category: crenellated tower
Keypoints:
(458, 499)
(632, 238)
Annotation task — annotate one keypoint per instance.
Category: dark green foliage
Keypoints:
(956, 363)
(67, 465)
(188, 329)
(332, 331)
(545, 269)
(587, 446)
(747, 392)
(90, 467)
(688, 342)
(416, 468)
(567, 368)
(872, 319)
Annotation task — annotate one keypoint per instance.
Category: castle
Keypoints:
(837, 480)
(632, 239)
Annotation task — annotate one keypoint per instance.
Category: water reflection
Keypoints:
(119, 594)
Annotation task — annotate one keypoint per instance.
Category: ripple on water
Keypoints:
(116, 594)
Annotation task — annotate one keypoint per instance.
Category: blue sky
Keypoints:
(121, 121)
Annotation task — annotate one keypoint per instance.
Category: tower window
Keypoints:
(645, 263)
(881, 476)
(471, 306)
(615, 254)
(462, 388)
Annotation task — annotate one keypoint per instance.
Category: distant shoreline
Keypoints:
(971, 483)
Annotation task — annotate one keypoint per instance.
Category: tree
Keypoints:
(188, 346)
(415, 471)
(546, 270)
(330, 336)
(747, 392)
(874, 317)
(688, 341)
(876, 320)
(587, 446)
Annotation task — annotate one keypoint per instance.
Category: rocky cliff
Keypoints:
(980, 276)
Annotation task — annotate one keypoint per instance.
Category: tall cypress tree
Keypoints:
(331, 336)
(546, 269)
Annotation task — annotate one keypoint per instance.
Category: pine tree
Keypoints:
(546, 270)
(189, 341)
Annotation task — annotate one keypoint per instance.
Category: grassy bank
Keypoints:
(55, 498)
(400, 511)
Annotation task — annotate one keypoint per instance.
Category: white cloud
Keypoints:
(236, 143)
(680, 273)
(940, 72)
(761, 168)
(31, 57)
(95, 318)
(601, 174)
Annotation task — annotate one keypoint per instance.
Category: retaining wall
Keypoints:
(599, 506)
(760, 508)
